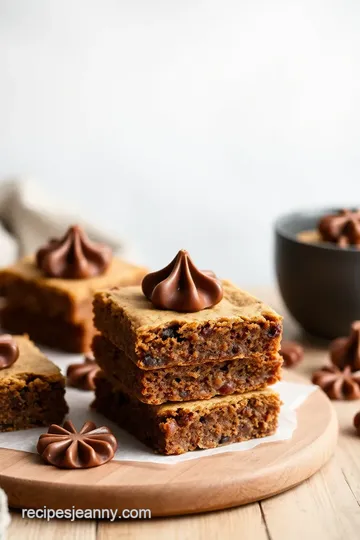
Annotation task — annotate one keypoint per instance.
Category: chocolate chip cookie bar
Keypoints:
(175, 428)
(184, 383)
(32, 389)
(239, 326)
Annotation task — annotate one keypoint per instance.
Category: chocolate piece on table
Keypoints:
(357, 422)
(175, 428)
(345, 351)
(184, 383)
(82, 374)
(74, 256)
(9, 351)
(32, 390)
(53, 311)
(292, 353)
(181, 286)
(342, 228)
(65, 447)
(240, 326)
(338, 384)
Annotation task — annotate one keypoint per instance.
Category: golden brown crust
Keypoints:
(236, 305)
(206, 405)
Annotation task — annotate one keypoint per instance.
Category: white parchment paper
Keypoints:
(130, 449)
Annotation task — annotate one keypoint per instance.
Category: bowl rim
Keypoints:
(315, 212)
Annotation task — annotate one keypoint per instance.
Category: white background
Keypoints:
(184, 124)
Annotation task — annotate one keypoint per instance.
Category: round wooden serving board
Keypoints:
(200, 485)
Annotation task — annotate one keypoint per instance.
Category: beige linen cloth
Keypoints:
(28, 218)
(4, 515)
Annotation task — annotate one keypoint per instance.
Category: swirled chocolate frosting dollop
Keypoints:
(345, 351)
(9, 351)
(181, 286)
(342, 228)
(67, 448)
(74, 256)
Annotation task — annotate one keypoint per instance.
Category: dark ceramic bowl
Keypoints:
(319, 283)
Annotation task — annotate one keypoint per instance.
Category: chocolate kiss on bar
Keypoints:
(9, 351)
(74, 256)
(181, 286)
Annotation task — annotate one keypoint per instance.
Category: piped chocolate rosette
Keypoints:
(180, 286)
(342, 229)
(82, 375)
(74, 256)
(67, 448)
(345, 351)
(341, 380)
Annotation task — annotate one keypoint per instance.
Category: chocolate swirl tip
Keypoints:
(182, 287)
(9, 351)
(65, 447)
(73, 256)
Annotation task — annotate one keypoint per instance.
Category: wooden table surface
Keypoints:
(325, 507)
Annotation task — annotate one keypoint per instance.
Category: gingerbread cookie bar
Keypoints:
(32, 389)
(175, 428)
(49, 296)
(239, 326)
(184, 383)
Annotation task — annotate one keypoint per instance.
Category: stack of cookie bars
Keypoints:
(184, 381)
